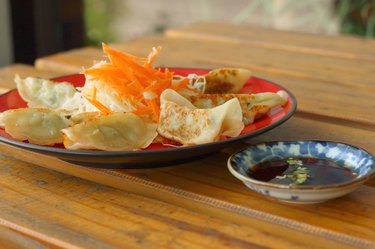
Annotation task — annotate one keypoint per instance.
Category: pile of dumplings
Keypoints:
(59, 113)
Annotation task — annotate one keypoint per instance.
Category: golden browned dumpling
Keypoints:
(181, 121)
(253, 105)
(226, 80)
(113, 132)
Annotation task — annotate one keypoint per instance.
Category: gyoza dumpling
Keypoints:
(112, 132)
(42, 93)
(38, 126)
(226, 80)
(253, 105)
(85, 116)
(181, 121)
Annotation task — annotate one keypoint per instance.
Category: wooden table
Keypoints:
(45, 202)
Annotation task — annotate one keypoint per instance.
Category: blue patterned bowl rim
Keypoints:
(362, 177)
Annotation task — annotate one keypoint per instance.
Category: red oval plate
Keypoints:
(156, 155)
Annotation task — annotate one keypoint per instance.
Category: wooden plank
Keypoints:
(348, 47)
(10, 239)
(70, 62)
(64, 211)
(68, 215)
(177, 52)
(206, 186)
(8, 73)
(327, 96)
(323, 99)
(209, 54)
(321, 87)
(331, 70)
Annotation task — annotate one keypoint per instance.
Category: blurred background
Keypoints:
(35, 28)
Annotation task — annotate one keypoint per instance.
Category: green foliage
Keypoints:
(98, 16)
(357, 17)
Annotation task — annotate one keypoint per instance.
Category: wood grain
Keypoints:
(70, 62)
(208, 54)
(8, 73)
(323, 68)
(349, 47)
(199, 204)
(325, 93)
(11, 239)
(64, 206)
(326, 97)
(65, 211)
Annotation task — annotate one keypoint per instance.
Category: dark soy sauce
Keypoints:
(301, 171)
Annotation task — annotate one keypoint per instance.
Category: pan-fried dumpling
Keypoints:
(181, 121)
(112, 132)
(253, 105)
(226, 80)
(42, 93)
(85, 116)
(38, 126)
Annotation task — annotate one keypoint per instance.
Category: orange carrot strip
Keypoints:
(124, 90)
(183, 83)
(109, 50)
(141, 110)
(99, 105)
(94, 93)
(123, 60)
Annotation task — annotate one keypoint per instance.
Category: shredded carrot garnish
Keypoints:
(182, 84)
(141, 110)
(97, 104)
(94, 93)
(135, 79)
